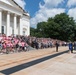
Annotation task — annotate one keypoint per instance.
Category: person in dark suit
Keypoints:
(57, 45)
(75, 45)
(71, 47)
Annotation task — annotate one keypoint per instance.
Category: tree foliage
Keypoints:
(60, 27)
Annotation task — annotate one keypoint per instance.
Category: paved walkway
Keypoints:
(39, 62)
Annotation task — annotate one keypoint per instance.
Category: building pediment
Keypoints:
(11, 3)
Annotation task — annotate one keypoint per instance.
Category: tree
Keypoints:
(41, 28)
(60, 27)
(67, 26)
(33, 31)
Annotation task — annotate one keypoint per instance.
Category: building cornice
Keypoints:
(21, 8)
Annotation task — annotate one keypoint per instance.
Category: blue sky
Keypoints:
(32, 6)
(41, 10)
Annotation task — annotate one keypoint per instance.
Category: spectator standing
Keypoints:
(71, 47)
(57, 45)
(75, 45)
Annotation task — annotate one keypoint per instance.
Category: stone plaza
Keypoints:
(39, 62)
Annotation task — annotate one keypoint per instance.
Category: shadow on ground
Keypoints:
(14, 69)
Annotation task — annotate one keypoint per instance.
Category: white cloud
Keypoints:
(47, 10)
(44, 14)
(72, 13)
(21, 3)
(51, 3)
(71, 3)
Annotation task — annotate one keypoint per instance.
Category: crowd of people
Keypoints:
(9, 44)
(40, 43)
(12, 44)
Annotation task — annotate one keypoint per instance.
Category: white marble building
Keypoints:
(13, 19)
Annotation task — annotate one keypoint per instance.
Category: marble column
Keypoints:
(20, 27)
(0, 21)
(8, 24)
(15, 24)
